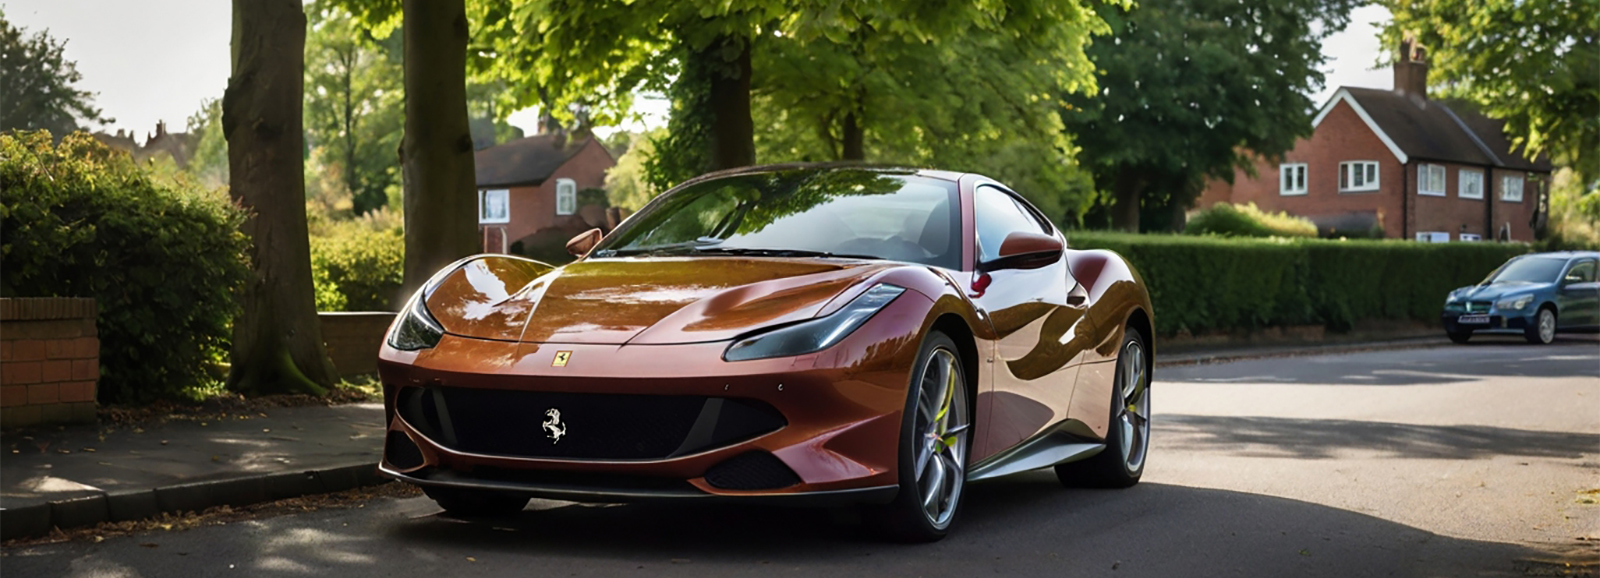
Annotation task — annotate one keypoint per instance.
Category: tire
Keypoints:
(940, 438)
(1119, 466)
(1543, 330)
(464, 503)
(1460, 336)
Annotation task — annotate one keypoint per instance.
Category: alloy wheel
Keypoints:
(942, 426)
(1547, 326)
(1133, 416)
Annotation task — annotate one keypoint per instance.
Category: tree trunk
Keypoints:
(277, 338)
(732, 139)
(1125, 209)
(436, 152)
(854, 139)
(348, 59)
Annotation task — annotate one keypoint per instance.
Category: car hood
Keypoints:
(1495, 291)
(638, 301)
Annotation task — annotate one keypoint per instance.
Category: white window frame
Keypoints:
(1350, 171)
(1506, 188)
(1470, 237)
(484, 197)
(566, 196)
(1288, 185)
(1466, 177)
(1425, 179)
(1433, 236)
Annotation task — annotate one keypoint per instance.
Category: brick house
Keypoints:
(528, 189)
(1421, 169)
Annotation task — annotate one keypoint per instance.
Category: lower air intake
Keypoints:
(400, 452)
(751, 471)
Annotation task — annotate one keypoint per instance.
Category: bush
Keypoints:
(1203, 284)
(163, 264)
(359, 265)
(1227, 220)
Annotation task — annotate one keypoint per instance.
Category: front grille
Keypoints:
(581, 425)
(400, 452)
(1477, 306)
(751, 471)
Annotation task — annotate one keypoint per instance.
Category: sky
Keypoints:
(159, 60)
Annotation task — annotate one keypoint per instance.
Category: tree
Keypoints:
(354, 102)
(277, 338)
(36, 84)
(1190, 90)
(1535, 64)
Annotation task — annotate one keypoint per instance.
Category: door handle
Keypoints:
(1078, 296)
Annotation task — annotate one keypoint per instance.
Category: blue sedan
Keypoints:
(1535, 295)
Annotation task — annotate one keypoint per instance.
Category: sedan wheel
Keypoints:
(936, 434)
(1543, 330)
(1128, 438)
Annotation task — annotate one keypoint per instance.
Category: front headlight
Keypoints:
(816, 334)
(1514, 303)
(417, 328)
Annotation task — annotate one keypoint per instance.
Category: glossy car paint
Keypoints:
(1040, 344)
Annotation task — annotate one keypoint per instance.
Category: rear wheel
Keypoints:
(935, 438)
(467, 503)
(1460, 336)
(1543, 329)
(1128, 437)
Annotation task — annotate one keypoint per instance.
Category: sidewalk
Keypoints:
(79, 476)
(75, 477)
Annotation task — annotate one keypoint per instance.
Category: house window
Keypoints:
(1511, 189)
(1292, 179)
(1430, 180)
(494, 206)
(1471, 237)
(566, 196)
(1469, 184)
(1358, 176)
(1433, 237)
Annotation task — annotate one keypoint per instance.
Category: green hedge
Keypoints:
(82, 220)
(359, 265)
(1203, 284)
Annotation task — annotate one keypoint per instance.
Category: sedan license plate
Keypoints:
(1473, 320)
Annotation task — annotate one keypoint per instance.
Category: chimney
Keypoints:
(1411, 70)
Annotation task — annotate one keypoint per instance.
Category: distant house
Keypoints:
(528, 190)
(1421, 169)
(179, 145)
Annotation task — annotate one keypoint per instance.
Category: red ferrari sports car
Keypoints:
(804, 334)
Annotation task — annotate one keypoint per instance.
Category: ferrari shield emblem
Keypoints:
(561, 359)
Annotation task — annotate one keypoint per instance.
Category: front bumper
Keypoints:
(840, 418)
(1497, 321)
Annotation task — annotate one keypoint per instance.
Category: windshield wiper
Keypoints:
(780, 253)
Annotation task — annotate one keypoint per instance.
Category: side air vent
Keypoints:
(751, 471)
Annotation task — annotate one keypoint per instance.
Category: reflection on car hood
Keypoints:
(1494, 291)
(642, 301)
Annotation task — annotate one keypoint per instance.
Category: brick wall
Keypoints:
(353, 339)
(49, 361)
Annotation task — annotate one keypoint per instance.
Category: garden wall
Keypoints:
(353, 339)
(49, 361)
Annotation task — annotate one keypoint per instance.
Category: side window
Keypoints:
(998, 214)
(1583, 272)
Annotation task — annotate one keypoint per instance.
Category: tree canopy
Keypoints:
(1534, 63)
(1190, 90)
(37, 84)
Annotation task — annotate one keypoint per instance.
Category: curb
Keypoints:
(1244, 355)
(39, 519)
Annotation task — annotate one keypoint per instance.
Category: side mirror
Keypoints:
(1023, 250)
(584, 242)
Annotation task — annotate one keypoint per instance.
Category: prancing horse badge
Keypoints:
(553, 427)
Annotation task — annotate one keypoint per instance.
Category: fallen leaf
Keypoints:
(90, 450)
(266, 430)
(138, 430)
(63, 451)
(471, 559)
(163, 442)
(1305, 552)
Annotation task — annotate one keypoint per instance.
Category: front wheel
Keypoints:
(935, 438)
(1543, 330)
(1128, 437)
(465, 503)
(1460, 336)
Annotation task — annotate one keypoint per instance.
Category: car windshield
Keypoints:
(1527, 270)
(856, 213)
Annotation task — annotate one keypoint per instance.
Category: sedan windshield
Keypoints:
(854, 213)
(1528, 270)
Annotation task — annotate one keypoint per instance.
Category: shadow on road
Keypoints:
(1324, 438)
(1453, 364)
(1025, 525)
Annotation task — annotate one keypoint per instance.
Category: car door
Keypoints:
(1578, 295)
(1039, 327)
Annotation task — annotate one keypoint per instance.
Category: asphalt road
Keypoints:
(1455, 461)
